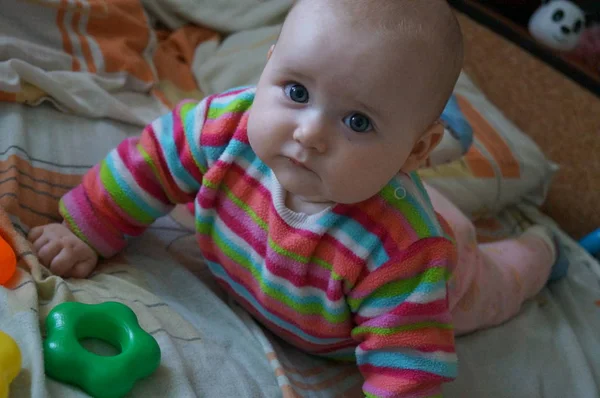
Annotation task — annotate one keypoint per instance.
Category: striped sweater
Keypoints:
(363, 282)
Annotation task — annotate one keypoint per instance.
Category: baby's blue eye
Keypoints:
(359, 123)
(297, 93)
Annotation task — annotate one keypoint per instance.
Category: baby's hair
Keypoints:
(433, 26)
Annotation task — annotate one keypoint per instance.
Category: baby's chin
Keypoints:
(294, 187)
(316, 189)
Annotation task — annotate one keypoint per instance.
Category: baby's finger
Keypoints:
(71, 240)
(35, 233)
(80, 249)
(50, 250)
(82, 270)
(63, 262)
(39, 243)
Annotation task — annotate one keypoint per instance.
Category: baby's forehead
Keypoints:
(391, 22)
(381, 15)
(372, 51)
(403, 45)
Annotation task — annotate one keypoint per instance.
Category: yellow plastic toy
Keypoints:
(10, 362)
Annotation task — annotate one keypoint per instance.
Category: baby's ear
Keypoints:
(423, 147)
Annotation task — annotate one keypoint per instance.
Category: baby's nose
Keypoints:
(312, 135)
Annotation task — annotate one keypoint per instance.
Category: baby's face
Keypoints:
(334, 110)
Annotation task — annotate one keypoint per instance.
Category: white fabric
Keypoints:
(237, 61)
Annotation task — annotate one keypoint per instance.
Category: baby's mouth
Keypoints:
(298, 163)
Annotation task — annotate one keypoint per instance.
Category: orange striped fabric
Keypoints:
(112, 39)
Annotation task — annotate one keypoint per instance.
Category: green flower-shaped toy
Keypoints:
(66, 360)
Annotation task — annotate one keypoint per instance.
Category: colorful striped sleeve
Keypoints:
(404, 331)
(139, 181)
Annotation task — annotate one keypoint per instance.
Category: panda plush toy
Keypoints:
(558, 24)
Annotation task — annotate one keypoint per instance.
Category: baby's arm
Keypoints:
(138, 182)
(406, 342)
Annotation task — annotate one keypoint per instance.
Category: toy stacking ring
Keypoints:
(10, 362)
(66, 360)
(8, 262)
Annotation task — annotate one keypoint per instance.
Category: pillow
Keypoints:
(457, 138)
(457, 125)
(503, 166)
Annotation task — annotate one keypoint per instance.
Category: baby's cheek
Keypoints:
(353, 186)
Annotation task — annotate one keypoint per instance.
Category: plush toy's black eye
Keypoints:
(558, 15)
(577, 26)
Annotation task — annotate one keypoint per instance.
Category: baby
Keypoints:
(306, 204)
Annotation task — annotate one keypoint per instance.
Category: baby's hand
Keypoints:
(62, 251)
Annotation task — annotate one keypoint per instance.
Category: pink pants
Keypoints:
(491, 281)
